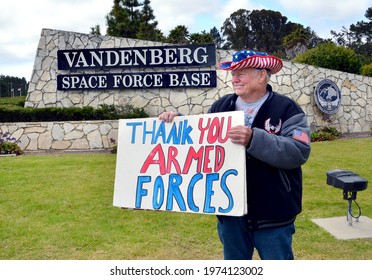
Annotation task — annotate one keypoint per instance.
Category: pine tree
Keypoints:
(117, 20)
(217, 39)
(124, 19)
(148, 25)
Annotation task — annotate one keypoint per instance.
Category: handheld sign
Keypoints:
(188, 165)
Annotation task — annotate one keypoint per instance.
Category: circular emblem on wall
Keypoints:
(327, 96)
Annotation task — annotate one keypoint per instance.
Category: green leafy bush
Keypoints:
(329, 55)
(366, 70)
(105, 112)
(325, 134)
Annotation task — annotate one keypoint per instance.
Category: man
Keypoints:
(276, 137)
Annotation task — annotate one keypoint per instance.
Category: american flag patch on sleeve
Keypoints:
(300, 136)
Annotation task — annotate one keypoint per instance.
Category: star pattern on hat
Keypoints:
(252, 59)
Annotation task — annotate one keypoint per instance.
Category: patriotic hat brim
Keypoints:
(252, 59)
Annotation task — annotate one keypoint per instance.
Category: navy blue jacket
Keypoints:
(278, 147)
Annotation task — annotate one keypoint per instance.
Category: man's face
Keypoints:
(248, 82)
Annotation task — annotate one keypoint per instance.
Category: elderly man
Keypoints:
(276, 137)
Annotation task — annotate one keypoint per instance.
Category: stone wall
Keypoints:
(295, 80)
(298, 81)
(63, 136)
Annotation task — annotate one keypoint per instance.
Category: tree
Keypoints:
(296, 42)
(263, 30)
(363, 30)
(128, 19)
(268, 29)
(117, 20)
(124, 19)
(217, 39)
(329, 55)
(343, 38)
(357, 37)
(12, 86)
(96, 30)
(362, 33)
(236, 29)
(132, 7)
(148, 25)
(179, 35)
(201, 38)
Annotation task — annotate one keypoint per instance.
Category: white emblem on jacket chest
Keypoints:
(273, 129)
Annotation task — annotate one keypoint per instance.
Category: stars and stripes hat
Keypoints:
(252, 59)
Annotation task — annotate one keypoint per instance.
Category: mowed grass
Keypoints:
(60, 207)
(323, 201)
(11, 102)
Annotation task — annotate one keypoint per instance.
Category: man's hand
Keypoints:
(240, 134)
(167, 116)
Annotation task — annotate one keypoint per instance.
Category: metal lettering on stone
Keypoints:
(77, 61)
(140, 80)
(327, 96)
(137, 57)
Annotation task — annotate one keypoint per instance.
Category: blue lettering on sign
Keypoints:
(174, 194)
(175, 181)
(227, 191)
(179, 133)
(158, 197)
(209, 192)
(134, 126)
(140, 191)
(150, 132)
(190, 191)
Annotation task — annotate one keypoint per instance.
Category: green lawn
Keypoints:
(60, 207)
(11, 102)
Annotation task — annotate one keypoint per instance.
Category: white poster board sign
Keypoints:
(188, 165)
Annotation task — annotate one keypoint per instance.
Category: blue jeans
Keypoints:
(239, 243)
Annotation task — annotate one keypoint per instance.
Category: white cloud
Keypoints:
(232, 6)
(181, 12)
(21, 25)
(333, 10)
(197, 15)
(323, 16)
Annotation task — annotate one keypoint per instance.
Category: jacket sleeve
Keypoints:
(288, 150)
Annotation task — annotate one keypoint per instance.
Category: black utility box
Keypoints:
(346, 180)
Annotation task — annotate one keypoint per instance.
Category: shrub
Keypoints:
(105, 112)
(8, 145)
(329, 55)
(366, 70)
(325, 134)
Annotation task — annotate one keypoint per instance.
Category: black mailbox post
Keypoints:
(350, 183)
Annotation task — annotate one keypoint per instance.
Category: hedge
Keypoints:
(105, 112)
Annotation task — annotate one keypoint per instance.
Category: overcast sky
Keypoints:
(21, 21)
